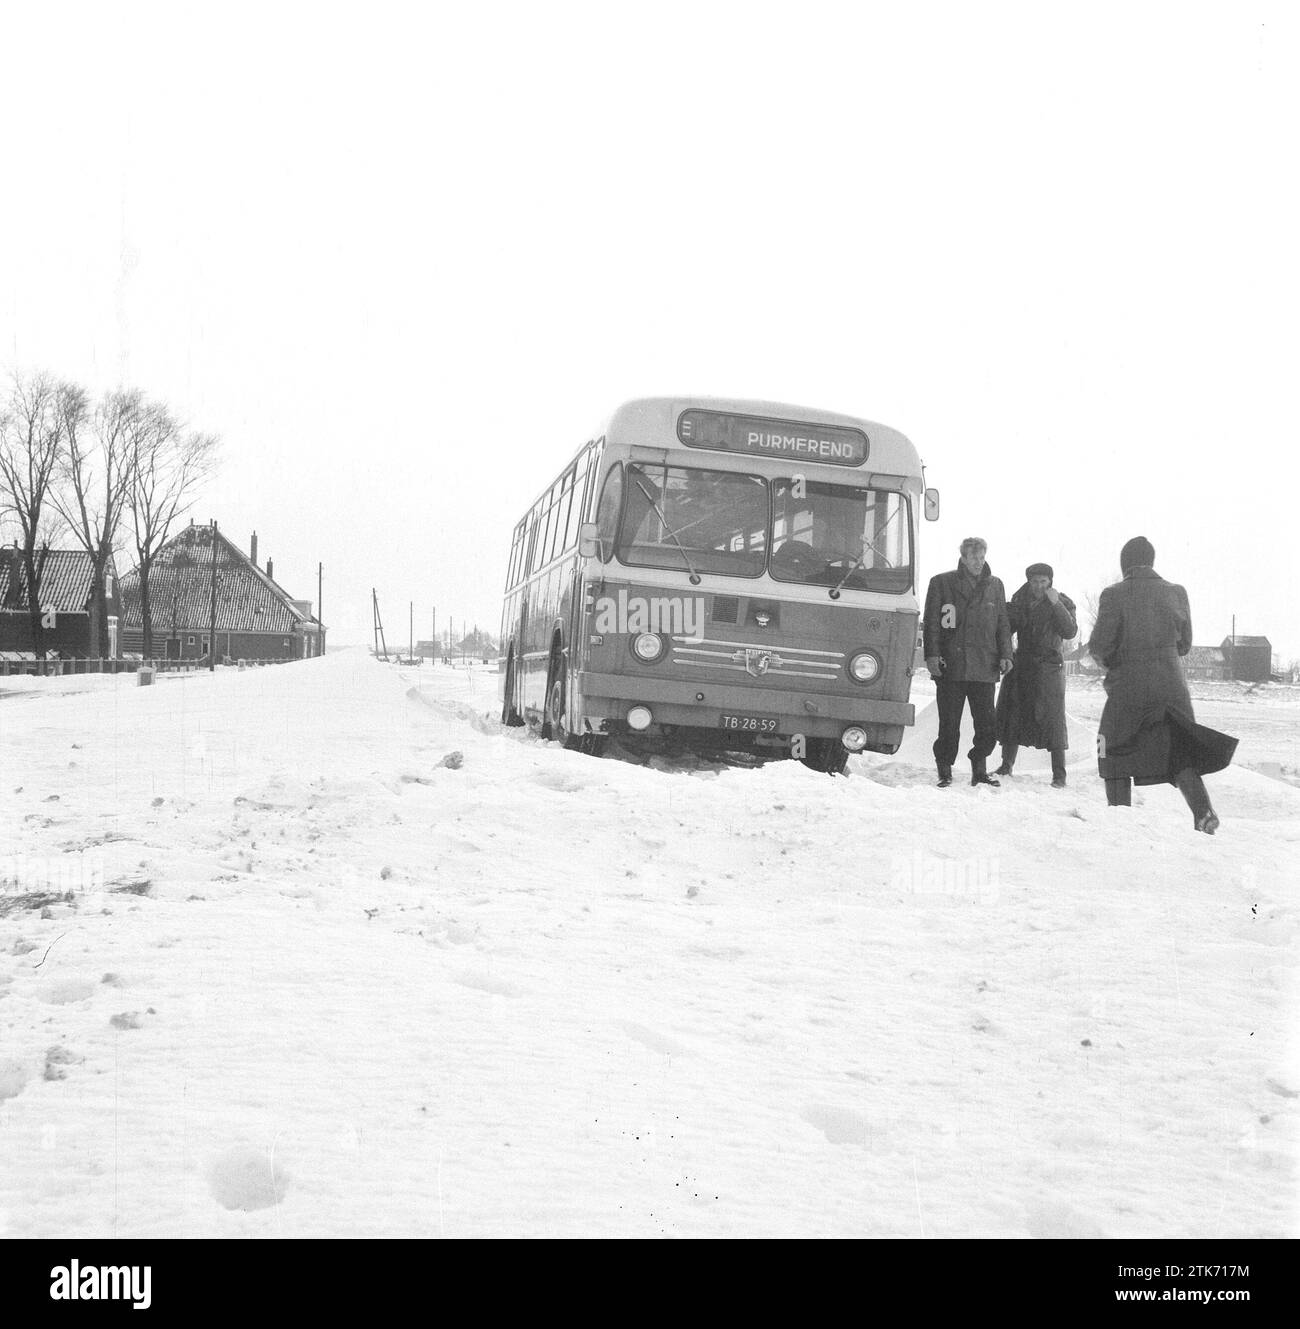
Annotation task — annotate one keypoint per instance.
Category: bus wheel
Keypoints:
(827, 755)
(555, 727)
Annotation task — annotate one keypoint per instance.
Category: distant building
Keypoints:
(1078, 661)
(1249, 658)
(65, 580)
(1206, 662)
(256, 618)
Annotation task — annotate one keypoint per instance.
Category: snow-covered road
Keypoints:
(305, 980)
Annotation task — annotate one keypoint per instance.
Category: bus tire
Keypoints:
(827, 755)
(553, 726)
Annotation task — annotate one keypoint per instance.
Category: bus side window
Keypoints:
(530, 544)
(556, 531)
(575, 505)
(562, 514)
(543, 531)
(517, 554)
(611, 501)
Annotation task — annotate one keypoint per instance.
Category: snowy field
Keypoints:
(269, 968)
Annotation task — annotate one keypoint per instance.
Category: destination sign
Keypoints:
(787, 439)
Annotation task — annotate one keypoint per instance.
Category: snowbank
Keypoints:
(271, 966)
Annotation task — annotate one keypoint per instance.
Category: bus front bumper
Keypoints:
(701, 705)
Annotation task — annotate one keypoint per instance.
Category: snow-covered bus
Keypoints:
(720, 574)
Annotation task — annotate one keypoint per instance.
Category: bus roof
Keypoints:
(890, 450)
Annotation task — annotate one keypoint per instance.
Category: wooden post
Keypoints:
(212, 629)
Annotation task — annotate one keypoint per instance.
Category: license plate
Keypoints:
(748, 724)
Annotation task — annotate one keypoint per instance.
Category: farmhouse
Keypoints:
(256, 618)
(1206, 662)
(65, 582)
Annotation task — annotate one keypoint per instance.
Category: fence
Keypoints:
(89, 665)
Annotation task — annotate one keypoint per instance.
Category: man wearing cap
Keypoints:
(1031, 701)
(1148, 733)
(967, 648)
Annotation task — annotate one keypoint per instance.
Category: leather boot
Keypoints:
(945, 776)
(1058, 768)
(979, 773)
(1119, 792)
(1009, 754)
(1192, 788)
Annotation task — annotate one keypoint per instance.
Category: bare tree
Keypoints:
(32, 440)
(168, 464)
(96, 479)
(1092, 607)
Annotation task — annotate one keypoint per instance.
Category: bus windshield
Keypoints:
(819, 534)
(704, 521)
(840, 535)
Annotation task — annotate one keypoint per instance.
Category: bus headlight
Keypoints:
(647, 647)
(864, 666)
(639, 717)
(854, 738)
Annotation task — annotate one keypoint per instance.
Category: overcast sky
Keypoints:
(404, 258)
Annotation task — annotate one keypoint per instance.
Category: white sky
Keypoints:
(404, 258)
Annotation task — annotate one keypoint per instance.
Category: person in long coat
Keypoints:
(1031, 701)
(1148, 732)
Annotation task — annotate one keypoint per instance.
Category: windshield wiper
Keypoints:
(853, 567)
(672, 535)
(857, 562)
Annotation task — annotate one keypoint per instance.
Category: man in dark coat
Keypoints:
(967, 648)
(1148, 732)
(1031, 701)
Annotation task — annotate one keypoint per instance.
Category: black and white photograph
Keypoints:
(627, 622)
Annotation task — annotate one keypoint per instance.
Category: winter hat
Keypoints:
(1040, 570)
(1137, 553)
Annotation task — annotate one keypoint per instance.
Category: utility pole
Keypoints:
(320, 622)
(212, 626)
(410, 649)
(380, 643)
(433, 635)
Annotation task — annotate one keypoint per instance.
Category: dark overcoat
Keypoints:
(1148, 729)
(1031, 701)
(966, 625)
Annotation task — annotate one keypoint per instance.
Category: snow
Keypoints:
(270, 966)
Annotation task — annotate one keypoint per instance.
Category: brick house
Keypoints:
(256, 618)
(65, 578)
(1249, 658)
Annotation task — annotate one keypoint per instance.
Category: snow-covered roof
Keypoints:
(63, 575)
(180, 585)
(1204, 657)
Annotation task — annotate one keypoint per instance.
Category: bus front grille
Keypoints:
(758, 661)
